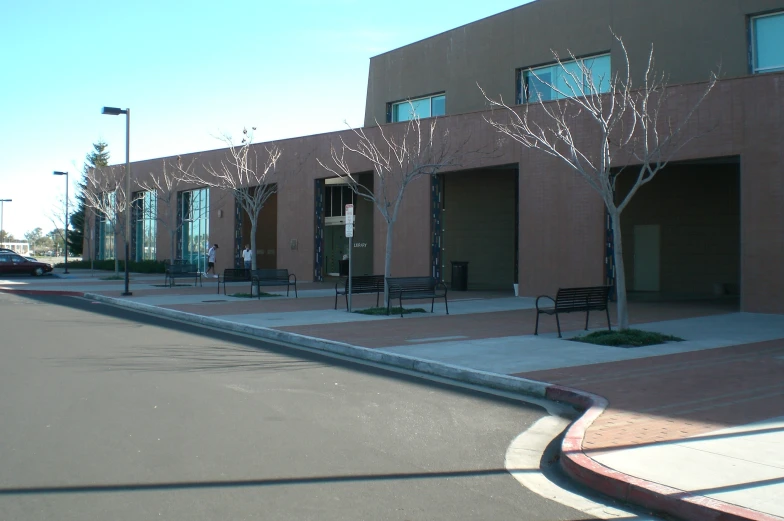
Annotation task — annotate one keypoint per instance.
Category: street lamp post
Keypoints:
(113, 111)
(1, 212)
(66, 218)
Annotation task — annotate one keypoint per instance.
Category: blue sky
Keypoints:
(189, 71)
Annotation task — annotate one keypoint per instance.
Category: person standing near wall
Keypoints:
(247, 256)
(211, 260)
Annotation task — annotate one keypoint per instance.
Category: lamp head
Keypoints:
(60, 173)
(112, 111)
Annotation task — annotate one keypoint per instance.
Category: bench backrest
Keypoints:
(179, 269)
(268, 274)
(236, 274)
(412, 283)
(582, 298)
(366, 283)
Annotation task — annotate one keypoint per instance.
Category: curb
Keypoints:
(58, 293)
(573, 460)
(452, 372)
(653, 496)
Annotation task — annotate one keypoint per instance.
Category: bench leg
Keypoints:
(336, 300)
(377, 295)
(295, 291)
(446, 304)
(587, 314)
(558, 323)
(609, 327)
(347, 301)
(536, 329)
(432, 304)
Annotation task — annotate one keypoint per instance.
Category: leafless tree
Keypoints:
(165, 187)
(105, 196)
(398, 158)
(249, 178)
(89, 236)
(632, 125)
(57, 216)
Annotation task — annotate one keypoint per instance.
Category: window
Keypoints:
(145, 211)
(421, 107)
(557, 81)
(195, 215)
(767, 43)
(337, 196)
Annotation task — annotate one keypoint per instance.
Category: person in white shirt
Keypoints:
(247, 256)
(211, 260)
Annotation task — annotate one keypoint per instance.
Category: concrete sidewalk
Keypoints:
(691, 428)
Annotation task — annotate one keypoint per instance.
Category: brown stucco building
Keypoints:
(710, 224)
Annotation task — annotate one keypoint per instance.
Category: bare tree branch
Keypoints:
(249, 178)
(631, 124)
(397, 159)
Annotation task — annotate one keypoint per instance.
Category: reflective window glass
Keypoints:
(421, 108)
(768, 43)
(568, 79)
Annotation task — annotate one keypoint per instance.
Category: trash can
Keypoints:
(459, 275)
(343, 267)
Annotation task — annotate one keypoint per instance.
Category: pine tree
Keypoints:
(99, 157)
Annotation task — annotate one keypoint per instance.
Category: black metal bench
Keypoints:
(360, 284)
(268, 277)
(570, 300)
(182, 271)
(234, 275)
(416, 288)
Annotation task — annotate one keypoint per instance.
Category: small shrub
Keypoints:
(248, 295)
(392, 311)
(626, 338)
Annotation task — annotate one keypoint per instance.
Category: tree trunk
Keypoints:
(253, 263)
(90, 248)
(174, 227)
(253, 225)
(116, 255)
(172, 245)
(388, 260)
(620, 273)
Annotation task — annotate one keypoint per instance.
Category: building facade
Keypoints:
(710, 224)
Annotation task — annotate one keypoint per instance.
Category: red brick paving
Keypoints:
(672, 397)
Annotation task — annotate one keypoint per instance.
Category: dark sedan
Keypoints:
(14, 263)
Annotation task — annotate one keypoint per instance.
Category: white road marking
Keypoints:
(523, 459)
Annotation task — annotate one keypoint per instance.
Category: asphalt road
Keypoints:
(108, 414)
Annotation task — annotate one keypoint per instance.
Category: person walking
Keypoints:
(211, 260)
(247, 256)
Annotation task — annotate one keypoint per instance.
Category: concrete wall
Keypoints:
(366, 214)
(698, 210)
(690, 38)
(479, 227)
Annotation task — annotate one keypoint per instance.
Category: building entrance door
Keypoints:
(647, 247)
(335, 247)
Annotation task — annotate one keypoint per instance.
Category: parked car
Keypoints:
(15, 263)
